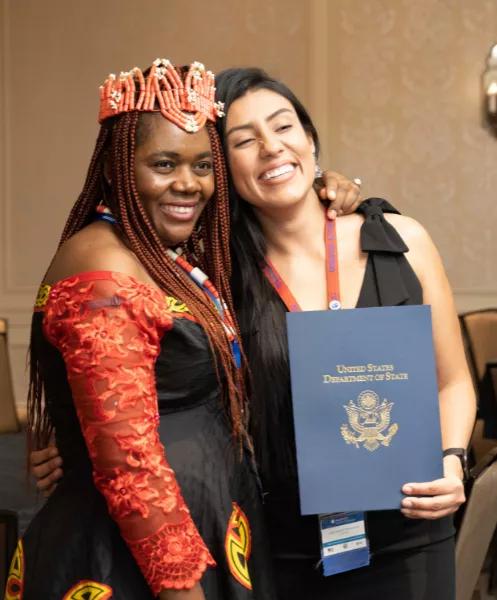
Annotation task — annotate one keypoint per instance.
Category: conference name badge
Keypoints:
(344, 545)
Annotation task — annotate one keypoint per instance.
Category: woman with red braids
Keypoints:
(137, 368)
(134, 349)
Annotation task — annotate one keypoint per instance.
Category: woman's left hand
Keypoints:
(440, 498)
(344, 195)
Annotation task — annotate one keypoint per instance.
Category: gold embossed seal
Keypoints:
(368, 419)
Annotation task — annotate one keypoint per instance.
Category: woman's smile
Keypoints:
(174, 177)
(279, 174)
(269, 152)
(185, 211)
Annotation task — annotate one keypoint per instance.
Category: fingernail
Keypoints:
(332, 195)
(407, 489)
(332, 214)
(406, 503)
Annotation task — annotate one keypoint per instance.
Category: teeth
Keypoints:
(180, 210)
(278, 171)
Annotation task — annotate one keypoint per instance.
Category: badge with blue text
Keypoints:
(344, 545)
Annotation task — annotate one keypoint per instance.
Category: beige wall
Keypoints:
(401, 108)
(393, 84)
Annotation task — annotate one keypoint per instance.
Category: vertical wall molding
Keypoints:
(12, 296)
(319, 52)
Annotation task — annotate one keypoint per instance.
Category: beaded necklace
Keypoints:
(104, 214)
(204, 283)
(200, 279)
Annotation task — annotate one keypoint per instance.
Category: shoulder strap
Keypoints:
(386, 251)
(377, 234)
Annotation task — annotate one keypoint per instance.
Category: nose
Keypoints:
(186, 182)
(269, 144)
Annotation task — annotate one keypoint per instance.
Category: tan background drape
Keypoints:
(394, 86)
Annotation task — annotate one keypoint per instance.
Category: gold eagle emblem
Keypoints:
(369, 419)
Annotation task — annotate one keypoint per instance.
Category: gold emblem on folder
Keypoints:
(369, 419)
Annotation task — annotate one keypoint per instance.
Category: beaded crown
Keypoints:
(187, 103)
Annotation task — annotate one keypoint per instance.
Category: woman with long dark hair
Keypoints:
(384, 259)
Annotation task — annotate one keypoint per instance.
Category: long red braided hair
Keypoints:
(116, 143)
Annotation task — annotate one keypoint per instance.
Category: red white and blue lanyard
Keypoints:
(332, 281)
(202, 281)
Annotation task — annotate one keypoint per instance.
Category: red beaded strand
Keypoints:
(188, 104)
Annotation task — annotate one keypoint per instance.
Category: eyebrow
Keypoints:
(176, 155)
(250, 126)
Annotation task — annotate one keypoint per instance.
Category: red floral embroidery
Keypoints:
(171, 551)
(108, 328)
(127, 493)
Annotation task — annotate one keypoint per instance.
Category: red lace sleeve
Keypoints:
(108, 328)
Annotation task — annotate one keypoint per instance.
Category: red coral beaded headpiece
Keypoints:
(188, 104)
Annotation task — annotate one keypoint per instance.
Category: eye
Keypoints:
(164, 164)
(244, 143)
(282, 128)
(203, 167)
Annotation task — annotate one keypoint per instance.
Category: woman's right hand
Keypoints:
(46, 468)
(344, 195)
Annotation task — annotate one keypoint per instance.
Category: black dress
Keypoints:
(410, 559)
(73, 549)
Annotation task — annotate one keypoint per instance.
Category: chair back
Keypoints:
(8, 415)
(479, 332)
(477, 528)
(479, 329)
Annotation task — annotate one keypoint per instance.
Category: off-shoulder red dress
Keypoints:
(154, 494)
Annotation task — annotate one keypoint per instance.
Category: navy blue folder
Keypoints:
(365, 402)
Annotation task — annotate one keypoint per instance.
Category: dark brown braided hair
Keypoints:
(116, 142)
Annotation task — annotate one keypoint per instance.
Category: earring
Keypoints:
(318, 172)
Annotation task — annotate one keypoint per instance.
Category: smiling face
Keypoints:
(269, 152)
(174, 176)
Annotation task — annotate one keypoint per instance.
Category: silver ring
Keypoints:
(357, 181)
